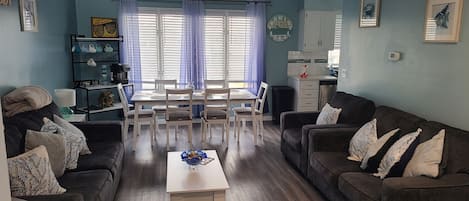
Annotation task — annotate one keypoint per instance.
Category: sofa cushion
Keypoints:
(94, 185)
(391, 118)
(355, 109)
(106, 156)
(292, 137)
(455, 149)
(359, 186)
(330, 165)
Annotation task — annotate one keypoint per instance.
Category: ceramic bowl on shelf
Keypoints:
(193, 157)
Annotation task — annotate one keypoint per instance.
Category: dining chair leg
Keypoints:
(167, 136)
(238, 124)
(152, 132)
(235, 125)
(176, 130)
(190, 135)
(126, 130)
(227, 130)
(223, 129)
(261, 123)
(202, 126)
(210, 130)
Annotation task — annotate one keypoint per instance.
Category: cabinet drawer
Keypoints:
(309, 93)
(308, 102)
(312, 85)
(307, 109)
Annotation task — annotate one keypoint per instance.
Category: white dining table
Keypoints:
(151, 98)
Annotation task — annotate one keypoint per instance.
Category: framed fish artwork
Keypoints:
(443, 21)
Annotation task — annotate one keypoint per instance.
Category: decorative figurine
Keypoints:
(304, 74)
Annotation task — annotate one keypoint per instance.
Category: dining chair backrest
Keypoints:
(217, 100)
(261, 96)
(123, 99)
(162, 85)
(178, 100)
(214, 84)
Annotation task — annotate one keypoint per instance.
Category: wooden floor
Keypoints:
(254, 173)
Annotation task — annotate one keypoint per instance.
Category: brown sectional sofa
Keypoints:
(340, 179)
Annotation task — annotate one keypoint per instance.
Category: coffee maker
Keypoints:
(120, 73)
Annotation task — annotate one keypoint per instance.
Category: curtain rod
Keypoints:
(267, 2)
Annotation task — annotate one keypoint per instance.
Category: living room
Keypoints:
(391, 69)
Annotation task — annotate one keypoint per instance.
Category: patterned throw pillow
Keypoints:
(397, 157)
(31, 174)
(328, 115)
(55, 145)
(363, 138)
(427, 158)
(75, 131)
(73, 143)
(376, 151)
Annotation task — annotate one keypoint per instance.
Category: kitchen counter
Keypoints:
(318, 77)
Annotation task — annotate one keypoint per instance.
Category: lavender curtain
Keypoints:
(130, 48)
(192, 52)
(255, 61)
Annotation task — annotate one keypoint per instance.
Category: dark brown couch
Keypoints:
(97, 176)
(295, 126)
(340, 179)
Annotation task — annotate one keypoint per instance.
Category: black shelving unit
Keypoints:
(87, 79)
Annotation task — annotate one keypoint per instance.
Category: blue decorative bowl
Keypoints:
(193, 157)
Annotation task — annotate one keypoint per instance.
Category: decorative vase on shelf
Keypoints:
(304, 74)
(91, 48)
(99, 48)
(83, 48)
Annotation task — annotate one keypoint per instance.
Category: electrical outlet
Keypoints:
(343, 73)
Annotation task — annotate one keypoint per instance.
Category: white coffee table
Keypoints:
(202, 183)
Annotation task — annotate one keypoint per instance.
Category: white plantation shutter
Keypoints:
(238, 46)
(226, 44)
(215, 46)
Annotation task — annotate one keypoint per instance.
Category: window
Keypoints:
(334, 55)
(226, 44)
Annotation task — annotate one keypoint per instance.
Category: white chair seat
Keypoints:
(145, 113)
(214, 114)
(159, 108)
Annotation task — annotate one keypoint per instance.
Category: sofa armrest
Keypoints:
(101, 131)
(297, 119)
(331, 139)
(447, 187)
(62, 197)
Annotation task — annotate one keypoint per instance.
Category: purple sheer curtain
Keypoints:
(255, 60)
(192, 52)
(130, 48)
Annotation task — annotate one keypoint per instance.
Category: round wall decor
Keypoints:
(280, 27)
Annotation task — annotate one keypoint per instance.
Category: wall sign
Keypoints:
(280, 27)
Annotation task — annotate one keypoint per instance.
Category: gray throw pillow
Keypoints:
(73, 144)
(31, 174)
(55, 145)
(75, 131)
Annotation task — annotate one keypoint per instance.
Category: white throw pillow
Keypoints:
(362, 140)
(427, 157)
(73, 144)
(374, 148)
(395, 152)
(328, 115)
(31, 174)
(75, 131)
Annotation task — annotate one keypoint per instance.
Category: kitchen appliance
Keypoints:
(120, 73)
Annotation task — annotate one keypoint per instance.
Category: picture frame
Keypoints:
(102, 27)
(443, 21)
(5, 2)
(28, 15)
(370, 13)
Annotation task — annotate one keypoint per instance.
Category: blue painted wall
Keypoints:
(430, 81)
(330, 5)
(40, 58)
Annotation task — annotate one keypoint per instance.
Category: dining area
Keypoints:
(176, 108)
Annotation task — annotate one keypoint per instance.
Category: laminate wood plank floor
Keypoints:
(254, 173)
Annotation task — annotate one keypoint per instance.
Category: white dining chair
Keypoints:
(216, 111)
(161, 86)
(215, 84)
(179, 111)
(144, 116)
(244, 113)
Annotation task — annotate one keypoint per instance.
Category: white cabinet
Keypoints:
(306, 94)
(317, 30)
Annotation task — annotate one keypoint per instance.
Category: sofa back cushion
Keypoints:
(17, 125)
(355, 110)
(455, 149)
(390, 118)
